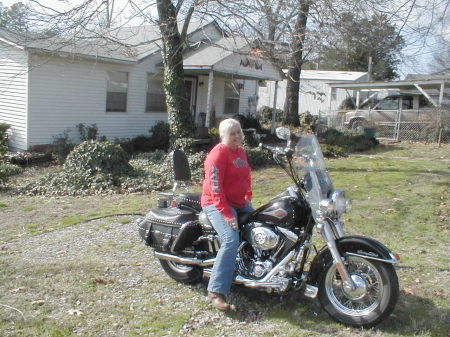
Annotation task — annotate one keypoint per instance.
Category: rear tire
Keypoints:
(368, 305)
(182, 272)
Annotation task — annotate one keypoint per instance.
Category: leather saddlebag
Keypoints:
(170, 229)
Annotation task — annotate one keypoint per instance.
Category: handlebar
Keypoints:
(274, 149)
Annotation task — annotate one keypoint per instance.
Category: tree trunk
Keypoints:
(179, 116)
(290, 116)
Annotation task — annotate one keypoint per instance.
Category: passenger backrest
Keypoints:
(180, 166)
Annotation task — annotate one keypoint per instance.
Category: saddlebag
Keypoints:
(169, 229)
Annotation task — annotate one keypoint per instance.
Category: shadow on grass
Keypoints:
(412, 316)
(381, 149)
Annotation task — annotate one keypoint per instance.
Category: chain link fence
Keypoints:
(431, 125)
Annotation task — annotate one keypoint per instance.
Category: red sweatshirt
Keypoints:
(227, 179)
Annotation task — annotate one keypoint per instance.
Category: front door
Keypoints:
(191, 85)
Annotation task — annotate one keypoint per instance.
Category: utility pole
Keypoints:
(369, 69)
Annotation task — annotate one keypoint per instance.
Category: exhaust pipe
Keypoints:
(184, 260)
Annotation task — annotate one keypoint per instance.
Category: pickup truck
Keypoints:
(414, 108)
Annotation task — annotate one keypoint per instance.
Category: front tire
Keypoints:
(181, 272)
(369, 304)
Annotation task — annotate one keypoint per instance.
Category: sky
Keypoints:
(416, 57)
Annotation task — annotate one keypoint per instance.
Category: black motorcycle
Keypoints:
(353, 276)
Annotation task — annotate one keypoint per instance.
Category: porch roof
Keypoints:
(231, 57)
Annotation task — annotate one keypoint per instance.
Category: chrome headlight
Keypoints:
(339, 200)
(327, 206)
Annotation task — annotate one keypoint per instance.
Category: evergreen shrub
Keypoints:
(3, 138)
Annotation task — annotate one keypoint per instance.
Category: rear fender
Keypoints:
(350, 246)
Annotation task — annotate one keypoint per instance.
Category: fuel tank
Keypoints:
(283, 211)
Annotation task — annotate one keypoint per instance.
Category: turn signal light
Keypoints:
(397, 256)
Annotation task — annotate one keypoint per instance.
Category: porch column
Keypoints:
(274, 111)
(330, 91)
(209, 98)
(441, 94)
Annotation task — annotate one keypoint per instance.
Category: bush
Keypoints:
(87, 132)
(3, 138)
(62, 146)
(160, 136)
(185, 144)
(8, 170)
(258, 157)
(348, 142)
(332, 151)
(93, 167)
(308, 122)
(265, 115)
(248, 122)
(214, 135)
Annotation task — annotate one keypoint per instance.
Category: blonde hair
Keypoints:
(226, 125)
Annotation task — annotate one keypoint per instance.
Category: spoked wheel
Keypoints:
(182, 272)
(373, 298)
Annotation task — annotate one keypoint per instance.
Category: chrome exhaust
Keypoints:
(184, 260)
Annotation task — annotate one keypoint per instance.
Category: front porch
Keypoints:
(222, 80)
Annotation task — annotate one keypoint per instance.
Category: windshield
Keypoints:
(309, 162)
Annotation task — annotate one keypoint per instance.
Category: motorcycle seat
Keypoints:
(174, 216)
(191, 200)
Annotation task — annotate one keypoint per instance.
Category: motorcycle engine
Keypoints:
(262, 237)
(255, 258)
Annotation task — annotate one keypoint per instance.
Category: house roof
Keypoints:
(123, 44)
(209, 53)
(330, 75)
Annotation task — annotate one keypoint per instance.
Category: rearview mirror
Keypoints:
(283, 133)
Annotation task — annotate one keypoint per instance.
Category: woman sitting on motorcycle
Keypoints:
(226, 192)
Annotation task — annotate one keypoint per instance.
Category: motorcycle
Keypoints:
(353, 276)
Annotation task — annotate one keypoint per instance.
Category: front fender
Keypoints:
(350, 245)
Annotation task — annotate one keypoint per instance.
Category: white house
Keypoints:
(48, 86)
(316, 93)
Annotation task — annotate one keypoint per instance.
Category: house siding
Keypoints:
(13, 94)
(65, 92)
(314, 96)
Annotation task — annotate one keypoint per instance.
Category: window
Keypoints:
(232, 93)
(407, 103)
(116, 95)
(389, 103)
(156, 99)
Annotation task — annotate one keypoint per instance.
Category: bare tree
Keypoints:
(291, 32)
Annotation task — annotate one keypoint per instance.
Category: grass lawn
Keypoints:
(74, 266)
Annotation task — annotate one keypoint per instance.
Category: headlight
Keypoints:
(327, 206)
(339, 200)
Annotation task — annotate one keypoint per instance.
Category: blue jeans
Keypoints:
(223, 269)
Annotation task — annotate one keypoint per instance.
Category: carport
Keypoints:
(427, 87)
(434, 87)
